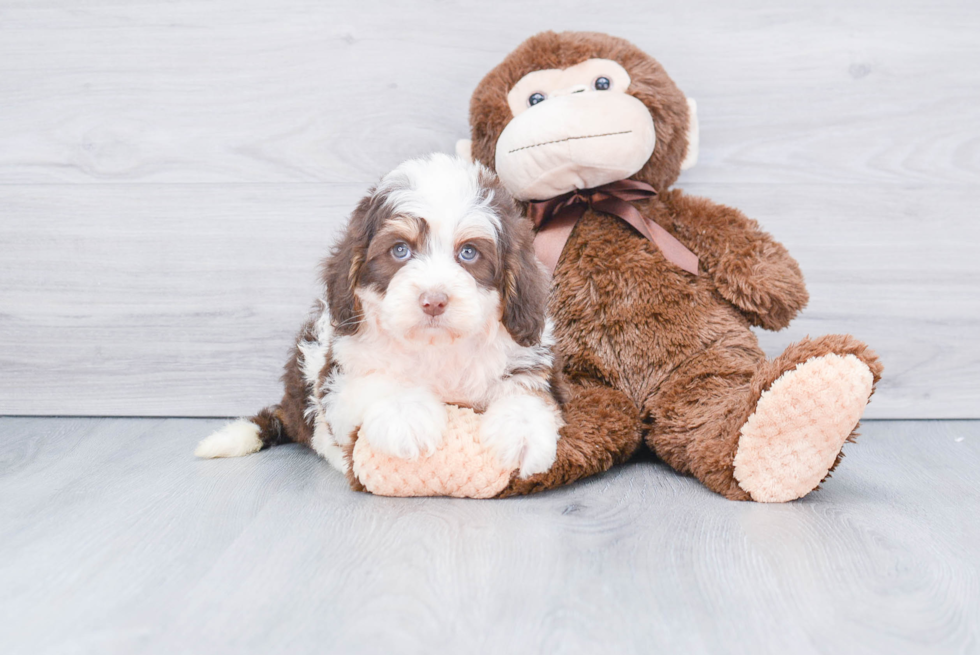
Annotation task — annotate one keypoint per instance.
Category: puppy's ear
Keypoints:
(342, 270)
(525, 284)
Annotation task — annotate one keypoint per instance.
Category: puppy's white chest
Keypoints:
(460, 373)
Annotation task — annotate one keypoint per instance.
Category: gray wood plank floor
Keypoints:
(114, 539)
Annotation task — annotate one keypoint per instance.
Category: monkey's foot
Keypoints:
(792, 440)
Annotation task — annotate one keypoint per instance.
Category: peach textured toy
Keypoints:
(461, 467)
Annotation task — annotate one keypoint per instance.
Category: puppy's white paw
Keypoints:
(406, 424)
(522, 431)
(342, 416)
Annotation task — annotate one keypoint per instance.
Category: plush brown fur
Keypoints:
(654, 354)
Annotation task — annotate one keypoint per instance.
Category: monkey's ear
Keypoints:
(464, 149)
(693, 136)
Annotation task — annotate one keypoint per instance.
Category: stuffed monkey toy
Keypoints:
(654, 292)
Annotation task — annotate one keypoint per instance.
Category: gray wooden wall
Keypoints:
(171, 172)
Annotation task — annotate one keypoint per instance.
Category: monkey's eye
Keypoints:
(535, 99)
(401, 251)
(602, 84)
(468, 254)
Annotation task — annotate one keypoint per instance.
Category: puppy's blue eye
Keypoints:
(401, 251)
(535, 98)
(468, 254)
(602, 84)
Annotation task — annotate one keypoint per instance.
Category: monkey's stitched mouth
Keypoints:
(568, 138)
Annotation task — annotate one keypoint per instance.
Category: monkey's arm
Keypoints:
(752, 270)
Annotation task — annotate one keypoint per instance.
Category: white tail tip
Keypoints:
(233, 440)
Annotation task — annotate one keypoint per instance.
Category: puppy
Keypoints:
(433, 296)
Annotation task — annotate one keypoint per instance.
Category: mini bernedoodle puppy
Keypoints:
(433, 296)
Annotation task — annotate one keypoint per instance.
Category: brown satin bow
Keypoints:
(555, 219)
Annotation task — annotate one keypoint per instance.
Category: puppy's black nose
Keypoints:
(433, 302)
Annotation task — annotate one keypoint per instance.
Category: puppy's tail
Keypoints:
(246, 436)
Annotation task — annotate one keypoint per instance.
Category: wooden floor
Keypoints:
(113, 538)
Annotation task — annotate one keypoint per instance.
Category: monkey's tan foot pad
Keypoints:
(461, 467)
(799, 427)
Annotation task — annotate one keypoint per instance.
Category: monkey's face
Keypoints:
(575, 110)
(573, 128)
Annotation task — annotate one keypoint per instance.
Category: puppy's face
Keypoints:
(437, 252)
(431, 269)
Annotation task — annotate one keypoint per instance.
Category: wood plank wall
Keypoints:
(172, 171)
